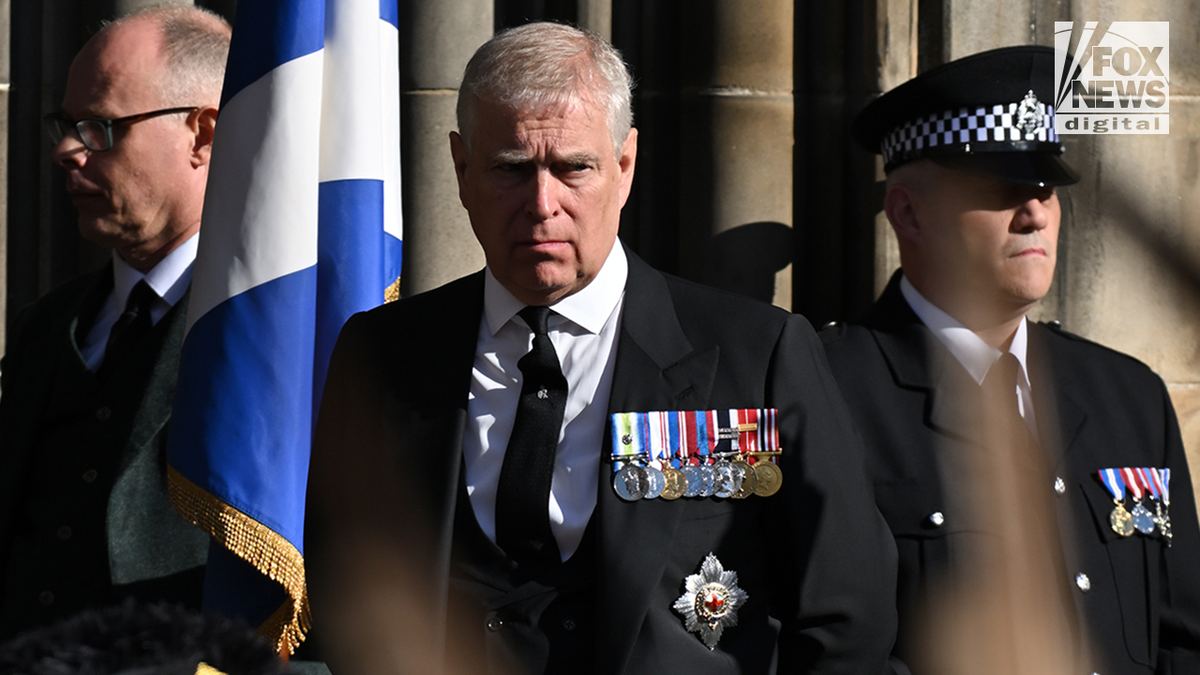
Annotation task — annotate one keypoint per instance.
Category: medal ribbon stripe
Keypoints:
(710, 436)
(625, 425)
(1114, 482)
(772, 431)
(674, 439)
(1147, 483)
(679, 438)
(735, 423)
(1132, 482)
(1151, 477)
(656, 425)
(700, 449)
(1166, 485)
(689, 450)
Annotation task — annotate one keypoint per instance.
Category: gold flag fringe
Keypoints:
(392, 292)
(267, 550)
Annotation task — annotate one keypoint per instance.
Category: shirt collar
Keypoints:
(169, 279)
(968, 348)
(588, 308)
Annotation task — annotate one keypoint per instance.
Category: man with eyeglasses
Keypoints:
(90, 368)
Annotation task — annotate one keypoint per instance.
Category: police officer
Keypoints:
(973, 165)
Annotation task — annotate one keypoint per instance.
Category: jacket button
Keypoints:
(103, 413)
(569, 624)
(45, 598)
(1083, 582)
(936, 519)
(494, 624)
(90, 475)
(1060, 485)
(64, 532)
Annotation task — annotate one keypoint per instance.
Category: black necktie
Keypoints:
(1000, 396)
(133, 324)
(523, 492)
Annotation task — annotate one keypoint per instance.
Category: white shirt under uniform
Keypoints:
(583, 330)
(971, 351)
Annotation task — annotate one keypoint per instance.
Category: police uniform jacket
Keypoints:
(1095, 409)
(815, 558)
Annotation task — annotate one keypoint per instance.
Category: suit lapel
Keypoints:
(918, 361)
(656, 369)
(1059, 416)
(437, 421)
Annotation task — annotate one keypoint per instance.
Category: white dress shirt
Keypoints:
(168, 279)
(584, 332)
(971, 351)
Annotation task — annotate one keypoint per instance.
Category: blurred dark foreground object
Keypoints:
(134, 639)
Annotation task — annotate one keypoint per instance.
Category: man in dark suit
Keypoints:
(89, 370)
(948, 381)
(472, 504)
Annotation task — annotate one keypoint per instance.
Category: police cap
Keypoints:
(989, 114)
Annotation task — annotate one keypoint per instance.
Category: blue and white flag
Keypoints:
(301, 229)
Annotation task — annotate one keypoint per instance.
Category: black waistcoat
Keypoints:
(513, 620)
(59, 557)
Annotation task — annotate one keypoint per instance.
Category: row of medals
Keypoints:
(726, 478)
(1141, 519)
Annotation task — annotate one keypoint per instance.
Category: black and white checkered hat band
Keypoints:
(996, 124)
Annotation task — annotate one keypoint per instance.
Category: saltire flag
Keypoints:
(301, 229)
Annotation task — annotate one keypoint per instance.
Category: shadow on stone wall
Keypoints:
(746, 258)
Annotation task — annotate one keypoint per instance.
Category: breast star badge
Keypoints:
(709, 604)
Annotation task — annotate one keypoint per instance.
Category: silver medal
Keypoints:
(630, 483)
(729, 479)
(656, 482)
(708, 481)
(1143, 520)
(694, 481)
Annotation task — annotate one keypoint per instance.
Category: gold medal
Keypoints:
(769, 478)
(676, 483)
(1121, 521)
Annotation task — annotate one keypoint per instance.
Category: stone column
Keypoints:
(596, 16)
(436, 40)
(736, 146)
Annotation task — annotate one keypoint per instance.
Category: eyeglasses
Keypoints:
(96, 132)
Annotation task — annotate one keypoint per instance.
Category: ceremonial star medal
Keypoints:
(710, 602)
(1120, 520)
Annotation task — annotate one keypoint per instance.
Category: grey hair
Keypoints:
(196, 45)
(541, 66)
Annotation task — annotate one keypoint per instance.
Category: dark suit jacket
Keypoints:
(815, 558)
(148, 542)
(1096, 409)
